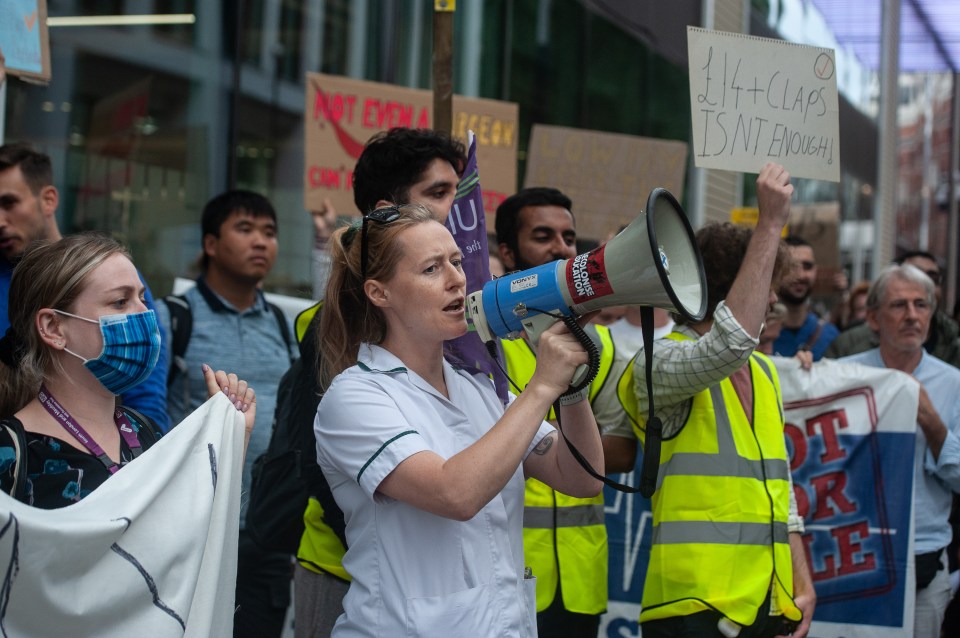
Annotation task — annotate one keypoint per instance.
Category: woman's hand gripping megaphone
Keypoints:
(565, 353)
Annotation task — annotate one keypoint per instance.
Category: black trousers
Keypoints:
(704, 624)
(263, 590)
(557, 622)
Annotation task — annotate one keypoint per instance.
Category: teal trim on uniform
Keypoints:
(377, 453)
(367, 368)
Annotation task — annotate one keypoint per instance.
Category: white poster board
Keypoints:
(756, 100)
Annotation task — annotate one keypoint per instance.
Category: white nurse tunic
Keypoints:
(415, 573)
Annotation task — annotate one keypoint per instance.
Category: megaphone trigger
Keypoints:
(534, 326)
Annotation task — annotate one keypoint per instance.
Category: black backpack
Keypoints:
(287, 475)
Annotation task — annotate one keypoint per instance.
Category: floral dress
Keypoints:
(58, 474)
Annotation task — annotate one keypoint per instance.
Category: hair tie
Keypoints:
(351, 232)
(11, 349)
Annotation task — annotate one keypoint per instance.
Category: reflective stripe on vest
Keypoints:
(726, 461)
(676, 532)
(576, 550)
(707, 553)
(569, 516)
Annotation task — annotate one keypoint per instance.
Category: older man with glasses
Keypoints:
(899, 310)
(943, 337)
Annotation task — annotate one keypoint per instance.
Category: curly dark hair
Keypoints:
(392, 161)
(722, 246)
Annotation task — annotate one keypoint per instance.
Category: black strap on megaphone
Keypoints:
(654, 430)
(654, 433)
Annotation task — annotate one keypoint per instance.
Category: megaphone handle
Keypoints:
(535, 325)
(654, 431)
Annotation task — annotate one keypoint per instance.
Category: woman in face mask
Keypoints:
(79, 336)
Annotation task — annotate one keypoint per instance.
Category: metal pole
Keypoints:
(884, 206)
(443, 64)
(235, 96)
(953, 224)
(928, 174)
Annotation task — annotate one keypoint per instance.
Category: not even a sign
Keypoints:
(757, 100)
(342, 114)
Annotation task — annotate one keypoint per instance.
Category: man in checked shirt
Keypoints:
(727, 559)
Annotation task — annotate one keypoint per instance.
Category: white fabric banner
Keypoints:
(851, 433)
(151, 553)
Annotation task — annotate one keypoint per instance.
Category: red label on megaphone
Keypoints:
(587, 276)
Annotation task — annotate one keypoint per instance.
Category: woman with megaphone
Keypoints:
(424, 459)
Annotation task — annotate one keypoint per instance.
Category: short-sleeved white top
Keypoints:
(415, 573)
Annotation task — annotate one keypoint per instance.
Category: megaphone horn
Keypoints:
(653, 262)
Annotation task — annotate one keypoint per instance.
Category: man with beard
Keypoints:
(564, 538)
(802, 328)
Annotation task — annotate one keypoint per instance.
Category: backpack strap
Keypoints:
(812, 340)
(19, 438)
(144, 424)
(181, 325)
(284, 329)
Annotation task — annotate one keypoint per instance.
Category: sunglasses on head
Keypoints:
(383, 215)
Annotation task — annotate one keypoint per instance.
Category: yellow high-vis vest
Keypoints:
(320, 548)
(720, 511)
(564, 538)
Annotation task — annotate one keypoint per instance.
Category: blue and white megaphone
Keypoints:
(653, 262)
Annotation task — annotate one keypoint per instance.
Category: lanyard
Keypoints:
(58, 412)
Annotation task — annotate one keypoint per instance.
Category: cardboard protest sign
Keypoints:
(341, 114)
(24, 39)
(757, 100)
(608, 176)
(819, 224)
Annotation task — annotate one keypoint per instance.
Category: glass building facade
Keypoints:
(145, 123)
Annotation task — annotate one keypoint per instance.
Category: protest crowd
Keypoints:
(369, 468)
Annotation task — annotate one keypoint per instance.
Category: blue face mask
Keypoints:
(131, 347)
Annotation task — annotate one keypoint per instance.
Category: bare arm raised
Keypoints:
(748, 298)
(460, 486)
